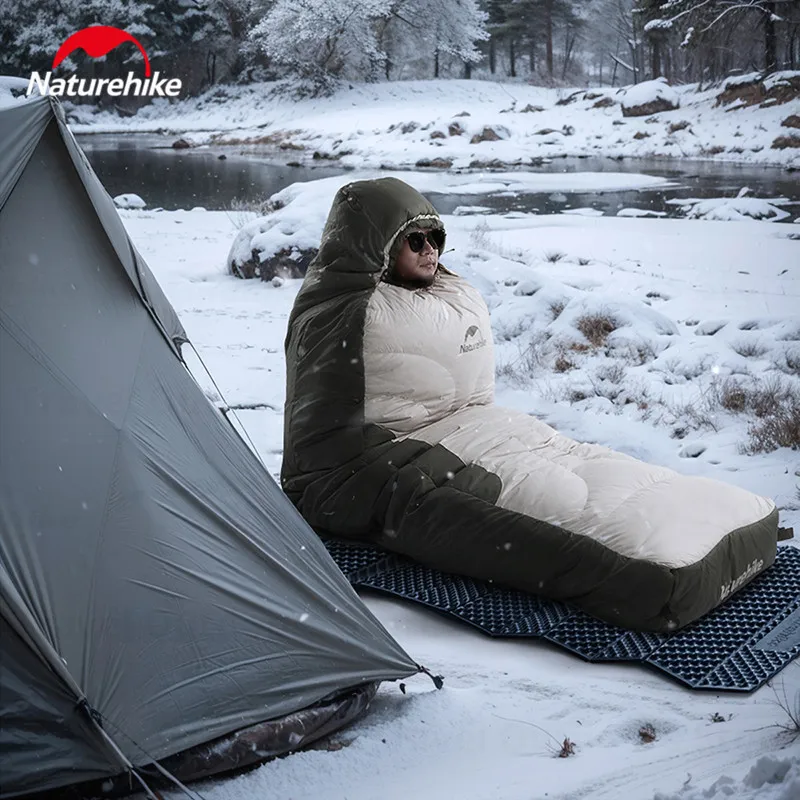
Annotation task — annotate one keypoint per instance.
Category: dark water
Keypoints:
(149, 167)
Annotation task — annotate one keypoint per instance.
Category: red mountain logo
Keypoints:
(98, 41)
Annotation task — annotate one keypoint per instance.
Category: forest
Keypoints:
(313, 46)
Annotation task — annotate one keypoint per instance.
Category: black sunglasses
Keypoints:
(416, 240)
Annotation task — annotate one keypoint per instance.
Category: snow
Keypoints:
(363, 126)
(727, 209)
(694, 303)
(12, 91)
(780, 77)
(648, 92)
(741, 80)
(129, 200)
(768, 779)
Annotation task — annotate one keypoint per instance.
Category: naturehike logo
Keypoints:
(728, 588)
(474, 333)
(98, 41)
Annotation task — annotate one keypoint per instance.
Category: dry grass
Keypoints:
(614, 373)
(732, 396)
(580, 347)
(789, 363)
(596, 327)
(773, 402)
(749, 349)
(678, 126)
(640, 353)
(563, 364)
(532, 360)
(556, 308)
(240, 211)
(647, 733)
(567, 748)
(554, 256)
(791, 707)
(479, 239)
(781, 429)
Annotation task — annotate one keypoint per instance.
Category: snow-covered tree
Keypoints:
(31, 34)
(700, 23)
(322, 40)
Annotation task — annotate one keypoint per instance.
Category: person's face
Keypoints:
(417, 269)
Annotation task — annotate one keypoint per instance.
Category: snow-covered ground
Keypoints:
(694, 305)
(398, 124)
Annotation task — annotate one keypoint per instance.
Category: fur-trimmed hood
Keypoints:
(361, 238)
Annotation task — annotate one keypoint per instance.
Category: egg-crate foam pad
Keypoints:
(736, 647)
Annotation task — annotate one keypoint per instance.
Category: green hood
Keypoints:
(361, 238)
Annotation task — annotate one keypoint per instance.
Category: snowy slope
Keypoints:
(685, 294)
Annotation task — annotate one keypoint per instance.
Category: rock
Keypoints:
(529, 109)
(792, 121)
(568, 130)
(750, 90)
(653, 107)
(409, 127)
(438, 135)
(782, 142)
(649, 97)
(455, 129)
(180, 144)
(488, 135)
(604, 102)
(320, 156)
(286, 263)
(641, 135)
(678, 126)
(463, 114)
(435, 163)
(494, 163)
(222, 157)
(546, 132)
(293, 164)
(565, 101)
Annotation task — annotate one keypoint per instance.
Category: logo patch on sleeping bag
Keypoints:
(729, 588)
(473, 340)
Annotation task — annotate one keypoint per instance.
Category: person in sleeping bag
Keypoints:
(392, 437)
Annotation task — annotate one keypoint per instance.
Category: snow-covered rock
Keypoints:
(649, 97)
(583, 212)
(640, 212)
(729, 209)
(129, 200)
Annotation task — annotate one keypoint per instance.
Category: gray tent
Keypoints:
(158, 592)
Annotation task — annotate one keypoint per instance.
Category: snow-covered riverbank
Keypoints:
(400, 124)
